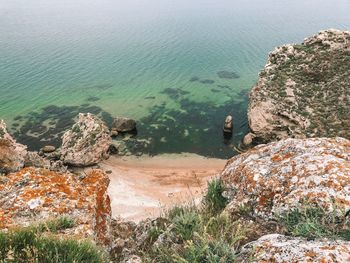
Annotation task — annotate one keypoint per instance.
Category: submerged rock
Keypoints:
(12, 154)
(280, 249)
(303, 90)
(87, 142)
(275, 178)
(34, 195)
(123, 124)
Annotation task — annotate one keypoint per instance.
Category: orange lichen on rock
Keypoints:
(280, 176)
(280, 249)
(34, 194)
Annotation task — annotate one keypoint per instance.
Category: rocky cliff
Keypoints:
(288, 174)
(304, 90)
(34, 195)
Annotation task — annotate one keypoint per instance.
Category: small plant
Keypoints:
(56, 225)
(205, 249)
(314, 222)
(186, 224)
(213, 200)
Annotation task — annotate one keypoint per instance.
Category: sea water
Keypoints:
(176, 66)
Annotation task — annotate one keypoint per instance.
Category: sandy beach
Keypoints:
(147, 186)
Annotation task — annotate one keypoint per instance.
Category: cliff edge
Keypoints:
(304, 90)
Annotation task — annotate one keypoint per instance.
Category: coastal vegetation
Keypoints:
(41, 243)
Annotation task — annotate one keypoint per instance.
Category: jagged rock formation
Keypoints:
(12, 154)
(277, 177)
(33, 195)
(87, 142)
(280, 249)
(304, 90)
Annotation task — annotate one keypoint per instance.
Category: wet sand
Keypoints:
(147, 186)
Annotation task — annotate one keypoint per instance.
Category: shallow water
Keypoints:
(177, 67)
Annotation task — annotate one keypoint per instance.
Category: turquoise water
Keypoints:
(137, 58)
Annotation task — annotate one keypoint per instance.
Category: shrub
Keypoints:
(213, 200)
(196, 236)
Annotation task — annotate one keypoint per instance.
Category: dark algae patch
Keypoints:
(48, 125)
(207, 81)
(224, 74)
(194, 127)
(174, 93)
(191, 126)
(92, 99)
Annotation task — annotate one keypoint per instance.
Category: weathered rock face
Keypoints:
(123, 124)
(275, 178)
(32, 195)
(303, 90)
(280, 249)
(12, 154)
(87, 142)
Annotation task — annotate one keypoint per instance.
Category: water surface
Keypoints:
(178, 67)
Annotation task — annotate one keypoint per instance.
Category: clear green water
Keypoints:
(136, 58)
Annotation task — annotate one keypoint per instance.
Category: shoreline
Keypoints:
(143, 187)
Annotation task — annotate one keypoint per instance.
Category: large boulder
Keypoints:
(303, 90)
(87, 142)
(275, 178)
(121, 124)
(34, 195)
(280, 249)
(12, 154)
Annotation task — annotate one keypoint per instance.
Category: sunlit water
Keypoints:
(156, 61)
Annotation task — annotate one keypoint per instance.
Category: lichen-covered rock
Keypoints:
(282, 249)
(303, 90)
(87, 142)
(32, 195)
(12, 154)
(277, 177)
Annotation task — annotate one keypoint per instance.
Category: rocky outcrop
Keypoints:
(33, 195)
(12, 154)
(123, 124)
(277, 177)
(87, 142)
(280, 249)
(303, 90)
(228, 124)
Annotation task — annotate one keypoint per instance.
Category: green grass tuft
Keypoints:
(213, 200)
(314, 222)
(31, 245)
